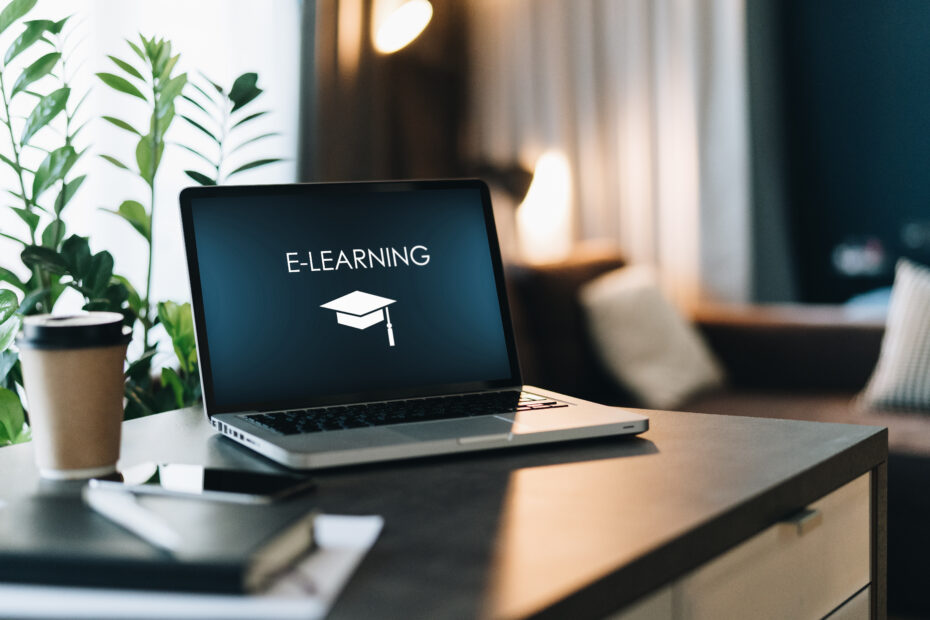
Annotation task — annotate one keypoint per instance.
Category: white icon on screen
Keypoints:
(362, 310)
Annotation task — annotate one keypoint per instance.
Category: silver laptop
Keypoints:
(347, 323)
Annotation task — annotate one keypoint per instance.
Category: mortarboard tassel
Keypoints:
(390, 328)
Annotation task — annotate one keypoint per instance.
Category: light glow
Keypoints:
(544, 217)
(400, 26)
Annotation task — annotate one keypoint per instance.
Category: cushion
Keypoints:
(647, 346)
(902, 376)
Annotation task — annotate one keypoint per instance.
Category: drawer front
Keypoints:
(800, 569)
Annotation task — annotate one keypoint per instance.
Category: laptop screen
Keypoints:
(310, 295)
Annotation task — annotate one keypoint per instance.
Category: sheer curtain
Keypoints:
(647, 100)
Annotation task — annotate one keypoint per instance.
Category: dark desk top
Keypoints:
(575, 529)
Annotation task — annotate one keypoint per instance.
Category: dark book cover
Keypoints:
(228, 548)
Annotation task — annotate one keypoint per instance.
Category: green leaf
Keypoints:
(255, 139)
(134, 213)
(215, 86)
(200, 127)
(163, 123)
(197, 153)
(169, 92)
(9, 304)
(36, 71)
(255, 164)
(57, 26)
(161, 58)
(195, 103)
(202, 179)
(169, 67)
(9, 162)
(31, 300)
(30, 35)
(12, 279)
(179, 323)
(244, 90)
(121, 84)
(53, 234)
(68, 192)
(97, 277)
(125, 66)
(139, 370)
(249, 118)
(8, 360)
(79, 104)
(8, 330)
(49, 107)
(45, 258)
(53, 169)
(171, 379)
(13, 11)
(116, 162)
(133, 297)
(75, 133)
(12, 238)
(136, 49)
(31, 219)
(75, 253)
(148, 157)
(121, 124)
(12, 418)
(204, 93)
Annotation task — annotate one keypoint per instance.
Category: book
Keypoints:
(226, 548)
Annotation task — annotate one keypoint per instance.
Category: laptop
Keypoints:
(347, 323)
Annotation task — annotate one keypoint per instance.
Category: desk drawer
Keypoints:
(803, 568)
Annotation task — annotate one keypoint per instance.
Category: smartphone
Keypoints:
(230, 485)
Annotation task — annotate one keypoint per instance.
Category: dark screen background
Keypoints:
(268, 338)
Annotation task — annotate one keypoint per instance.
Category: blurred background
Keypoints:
(751, 150)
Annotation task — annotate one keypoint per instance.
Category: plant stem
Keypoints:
(16, 153)
(147, 323)
(68, 118)
(39, 273)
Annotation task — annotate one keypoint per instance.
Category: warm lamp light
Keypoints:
(397, 23)
(544, 216)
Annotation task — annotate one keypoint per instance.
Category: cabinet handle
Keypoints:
(804, 520)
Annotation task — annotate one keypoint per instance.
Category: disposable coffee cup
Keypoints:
(73, 375)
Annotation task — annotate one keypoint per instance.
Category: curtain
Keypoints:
(647, 101)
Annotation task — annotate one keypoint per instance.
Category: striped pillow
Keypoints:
(901, 379)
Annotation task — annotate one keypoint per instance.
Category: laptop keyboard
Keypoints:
(339, 418)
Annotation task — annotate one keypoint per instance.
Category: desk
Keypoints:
(577, 530)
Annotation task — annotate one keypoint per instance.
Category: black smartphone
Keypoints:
(231, 485)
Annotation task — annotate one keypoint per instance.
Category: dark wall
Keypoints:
(393, 116)
(855, 110)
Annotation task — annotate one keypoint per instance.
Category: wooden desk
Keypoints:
(581, 529)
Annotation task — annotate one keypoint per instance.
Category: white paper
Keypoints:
(307, 592)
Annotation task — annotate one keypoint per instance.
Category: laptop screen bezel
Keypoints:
(190, 195)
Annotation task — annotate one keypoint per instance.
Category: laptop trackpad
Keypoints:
(451, 429)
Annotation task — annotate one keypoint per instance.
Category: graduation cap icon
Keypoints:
(362, 310)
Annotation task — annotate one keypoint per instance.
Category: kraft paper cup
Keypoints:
(73, 375)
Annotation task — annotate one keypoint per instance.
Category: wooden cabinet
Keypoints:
(808, 566)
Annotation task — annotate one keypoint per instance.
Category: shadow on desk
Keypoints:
(484, 496)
